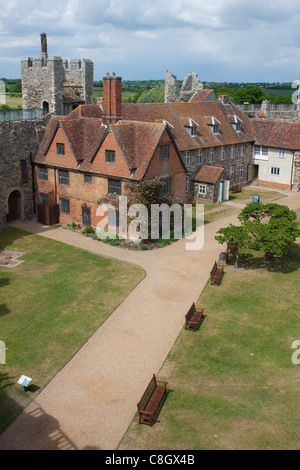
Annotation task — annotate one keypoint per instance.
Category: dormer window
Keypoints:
(214, 125)
(192, 127)
(236, 123)
(192, 130)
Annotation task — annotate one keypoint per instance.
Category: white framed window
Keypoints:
(187, 158)
(223, 153)
(257, 150)
(243, 149)
(192, 130)
(275, 171)
(211, 154)
(214, 125)
(200, 157)
(232, 173)
(261, 152)
(281, 153)
(241, 170)
(232, 153)
(201, 189)
(236, 124)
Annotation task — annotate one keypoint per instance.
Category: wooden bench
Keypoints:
(193, 317)
(216, 274)
(150, 400)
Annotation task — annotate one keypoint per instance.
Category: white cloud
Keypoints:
(252, 39)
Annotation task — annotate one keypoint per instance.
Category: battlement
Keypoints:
(44, 78)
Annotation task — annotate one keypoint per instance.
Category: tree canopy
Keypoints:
(250, 94)
(270, 228)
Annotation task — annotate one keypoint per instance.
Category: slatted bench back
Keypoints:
(147, 394)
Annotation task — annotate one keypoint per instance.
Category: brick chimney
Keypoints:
(112, 99)
(224, 99)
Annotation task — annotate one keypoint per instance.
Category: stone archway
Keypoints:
(15, 206)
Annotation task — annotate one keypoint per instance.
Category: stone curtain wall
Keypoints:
(296, 176)
(18, 139)
(291, 116)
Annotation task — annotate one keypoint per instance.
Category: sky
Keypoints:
(220, 40)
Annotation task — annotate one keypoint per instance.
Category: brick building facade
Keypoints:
(96, 150)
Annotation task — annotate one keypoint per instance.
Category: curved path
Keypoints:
(91, 401)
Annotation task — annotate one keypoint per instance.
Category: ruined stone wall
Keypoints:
(173, 93)
(18, 141)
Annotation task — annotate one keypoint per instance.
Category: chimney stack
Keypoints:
(44, 51)
(112, 99)
(224, 99)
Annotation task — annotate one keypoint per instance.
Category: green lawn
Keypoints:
(232, 384)
(49, 307)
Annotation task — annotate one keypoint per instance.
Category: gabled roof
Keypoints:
(83, 135)
(202, 95)
(138, 142)
(278, 134)
(209, 174)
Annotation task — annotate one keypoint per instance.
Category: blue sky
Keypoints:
(221, 40)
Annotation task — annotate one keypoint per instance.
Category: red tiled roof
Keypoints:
(86, 110)
(208, 174)
(174, 113)
(279, 134)
(137, 142)
(201, 95)
(84, 136)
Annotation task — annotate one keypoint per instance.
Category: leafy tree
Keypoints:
(270, 228)
(16, 88)
(155, 95)
(250, 94)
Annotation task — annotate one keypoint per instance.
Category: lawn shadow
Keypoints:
(160, 406)
(4, 281)
(285, 265)
(8, 235)
(4, 310)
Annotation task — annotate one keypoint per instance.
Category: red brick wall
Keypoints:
(171, 168)
(68, 160)
(119, 168)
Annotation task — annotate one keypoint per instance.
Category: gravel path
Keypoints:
(91, 401)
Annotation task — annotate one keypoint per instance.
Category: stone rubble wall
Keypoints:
(18, 141)
(175, 94)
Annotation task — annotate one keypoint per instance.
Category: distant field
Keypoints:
(13, 102)
(271, 91)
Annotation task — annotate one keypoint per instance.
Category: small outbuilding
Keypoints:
(210, 185)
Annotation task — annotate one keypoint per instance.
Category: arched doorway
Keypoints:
(14, 206)
(45, 107)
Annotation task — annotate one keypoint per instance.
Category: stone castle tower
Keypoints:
(48, 83)
(173, 93)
